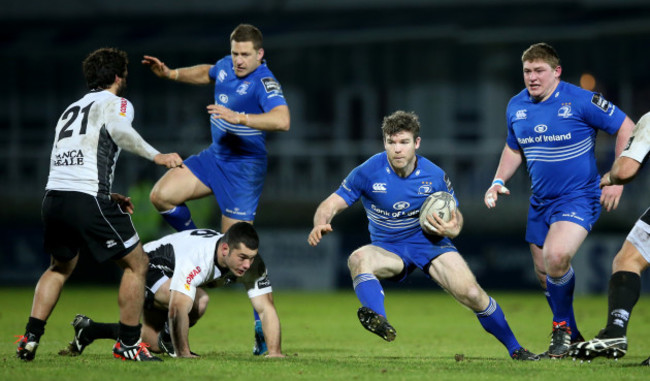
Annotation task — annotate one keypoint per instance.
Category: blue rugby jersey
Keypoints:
(557, 138)
(257, 93)
(392, 203)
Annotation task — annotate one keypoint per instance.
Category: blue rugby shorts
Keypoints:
(235, 182)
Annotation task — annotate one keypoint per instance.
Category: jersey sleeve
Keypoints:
(119, 119)
(511, 139)
(639, 144)
(602, 114)
(187, 278)
(446, 186)
(214, 70)
(256, 280)
(269, 94)
(351, 187)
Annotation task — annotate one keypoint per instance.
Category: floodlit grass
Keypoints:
(323, 340)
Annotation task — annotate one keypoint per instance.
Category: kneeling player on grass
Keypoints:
(630, 261)
(180, 265)
(392, 186)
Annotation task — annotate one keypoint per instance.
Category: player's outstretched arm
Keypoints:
(196, 75)
(169, 160)
(277, 119)
(263, 305)
(323, 217)
(508, 164)
(180, 306)
(127, 138)
(611, 194)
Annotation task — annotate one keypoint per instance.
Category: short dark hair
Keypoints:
(247, 32)
(102, 65)
(541, 51)
(401, 121)
(242, 232)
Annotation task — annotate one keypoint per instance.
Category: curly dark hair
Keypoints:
(102, 65)
(401, 121)
(241, 233)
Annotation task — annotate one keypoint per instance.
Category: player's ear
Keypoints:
(417, 142)
(260, 54)
(558, 71)
(225, 249)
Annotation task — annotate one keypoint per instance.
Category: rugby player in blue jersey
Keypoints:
(248, 103)
(392, 186)
(553, 125)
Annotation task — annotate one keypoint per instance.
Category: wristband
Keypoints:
(497, 181)
(175, 77)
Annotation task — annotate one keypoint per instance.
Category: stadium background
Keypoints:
(343, 65)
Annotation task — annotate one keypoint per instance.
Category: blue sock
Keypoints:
(256, 315)
(494, 321)
(560, 291)
(179, 218)
(369, 292)
(549, 301)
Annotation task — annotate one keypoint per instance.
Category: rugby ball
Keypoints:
(441, 203)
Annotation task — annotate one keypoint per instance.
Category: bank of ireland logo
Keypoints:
(565, 110)
(223, 98)
(540, 128)
(401, 205)
(520, 114)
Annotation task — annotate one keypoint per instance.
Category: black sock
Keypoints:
(129, 334)
(102, 331)
(36, 327)
(624, 291)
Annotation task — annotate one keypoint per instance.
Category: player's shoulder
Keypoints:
(225, 61)
(520, 97)
(371, 169)
(427, 168)
(266, 80)
(263, 70)
(588, 101)
(192, 235)
(426, 163)
(375, 161)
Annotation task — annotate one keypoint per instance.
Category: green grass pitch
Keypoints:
(323, 340)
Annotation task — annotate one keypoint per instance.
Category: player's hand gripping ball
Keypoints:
(441, 203)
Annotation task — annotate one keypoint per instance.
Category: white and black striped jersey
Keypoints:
(87, 142)
(639, 144)
(190, 256)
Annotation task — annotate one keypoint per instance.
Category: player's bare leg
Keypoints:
(368, 264)
(624, 291)
(169, 194)
(131, 292)
(562, 242)
(451, 272)
(130, 299)
(49, 286)
(47, 292)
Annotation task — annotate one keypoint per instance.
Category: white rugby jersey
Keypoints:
(87, 142)
(639, 144)
(190, 255)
